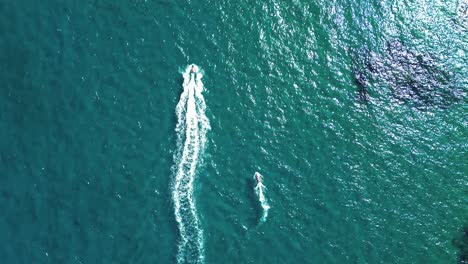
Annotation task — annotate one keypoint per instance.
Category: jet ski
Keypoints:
(258, 177)
(194, 68)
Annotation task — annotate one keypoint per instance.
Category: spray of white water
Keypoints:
(192, 125)
(260, 190)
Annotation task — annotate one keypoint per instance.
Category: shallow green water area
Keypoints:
(87, 131)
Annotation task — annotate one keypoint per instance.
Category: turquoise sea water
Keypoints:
(354, 112)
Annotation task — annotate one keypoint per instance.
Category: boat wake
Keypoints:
(192, 125)
(260, 191)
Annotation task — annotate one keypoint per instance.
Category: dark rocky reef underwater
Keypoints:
(461, 243)
(461, 18)
(412, 76)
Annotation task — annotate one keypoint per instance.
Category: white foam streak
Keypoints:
(260, 189)
(191, 131)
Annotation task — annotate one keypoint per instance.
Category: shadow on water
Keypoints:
(461, 243)
(413, 76)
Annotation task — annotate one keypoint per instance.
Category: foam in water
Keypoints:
(260, 190)
(192, 125)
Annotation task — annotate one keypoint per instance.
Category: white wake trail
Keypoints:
(192, 126)
(260, 189)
